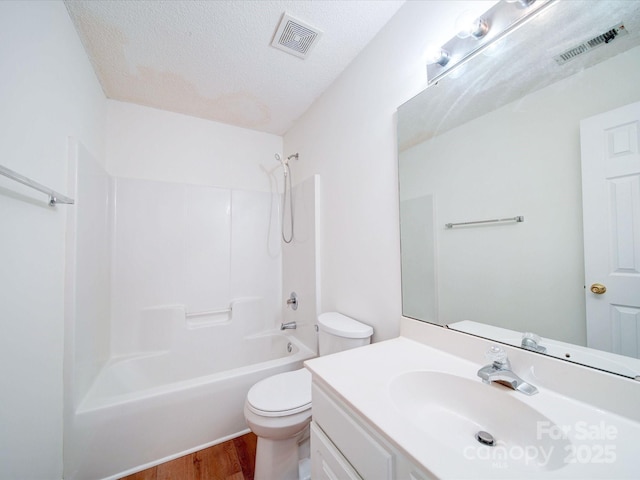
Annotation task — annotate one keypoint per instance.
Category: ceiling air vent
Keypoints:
(295, 37)
(592, 43)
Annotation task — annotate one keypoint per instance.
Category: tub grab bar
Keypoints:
(209, 312)
(54, 197)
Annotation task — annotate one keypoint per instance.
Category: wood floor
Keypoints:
(231, 460)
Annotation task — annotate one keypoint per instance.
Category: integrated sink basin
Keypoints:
(453, 410)
(429, 405)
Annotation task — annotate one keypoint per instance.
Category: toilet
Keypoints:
(278, 408)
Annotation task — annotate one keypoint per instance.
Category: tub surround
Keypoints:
(198, 246)
(301, 258)
(570, 396)
(174, 297)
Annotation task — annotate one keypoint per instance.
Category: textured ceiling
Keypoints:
(213, 59)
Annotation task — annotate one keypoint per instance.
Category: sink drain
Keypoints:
(485, 438)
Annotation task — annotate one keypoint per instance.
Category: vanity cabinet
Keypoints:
(344, 446)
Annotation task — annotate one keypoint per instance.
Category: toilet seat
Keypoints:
(282, 394)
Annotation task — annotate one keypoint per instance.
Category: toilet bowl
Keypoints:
(278, 409)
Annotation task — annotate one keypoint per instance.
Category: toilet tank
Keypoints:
(338, 332)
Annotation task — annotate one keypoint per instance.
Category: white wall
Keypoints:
(152, 144)
(348, 137)
(48, 91)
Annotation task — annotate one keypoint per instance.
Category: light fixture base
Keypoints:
(493, 25)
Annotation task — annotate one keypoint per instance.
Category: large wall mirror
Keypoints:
(517, 133)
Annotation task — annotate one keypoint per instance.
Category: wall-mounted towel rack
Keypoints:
(54, 197)
(519, 218)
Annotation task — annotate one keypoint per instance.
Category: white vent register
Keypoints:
(602, 39)
(295, 37)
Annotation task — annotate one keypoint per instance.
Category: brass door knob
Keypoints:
(598, 288)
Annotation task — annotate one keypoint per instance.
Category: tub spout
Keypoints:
(288, 326)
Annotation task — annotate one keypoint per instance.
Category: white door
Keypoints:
(611, 209)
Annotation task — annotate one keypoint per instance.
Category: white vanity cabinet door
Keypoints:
(344, 446)
(327, 463)
(370, 459)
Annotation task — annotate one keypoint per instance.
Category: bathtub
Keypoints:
(146, 409)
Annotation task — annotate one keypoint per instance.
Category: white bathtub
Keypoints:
(147, 409)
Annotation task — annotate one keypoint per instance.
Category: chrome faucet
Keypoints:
(500, 371)
(531, 341)
(288, 326)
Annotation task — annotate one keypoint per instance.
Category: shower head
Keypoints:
(284, 162)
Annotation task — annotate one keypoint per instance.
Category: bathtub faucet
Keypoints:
(288, 326)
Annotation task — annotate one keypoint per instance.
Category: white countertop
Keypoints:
(600, 444)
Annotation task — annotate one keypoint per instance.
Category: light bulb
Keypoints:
(469, 24)
(479, 28)
(463, 24)
(437, 55)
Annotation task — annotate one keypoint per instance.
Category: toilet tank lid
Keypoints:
(337, 324)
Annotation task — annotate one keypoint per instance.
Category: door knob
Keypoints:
(598, 288)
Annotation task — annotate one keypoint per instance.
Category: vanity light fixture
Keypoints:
(496, 23)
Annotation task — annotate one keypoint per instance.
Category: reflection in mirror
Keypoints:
(503, 139)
